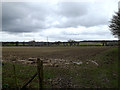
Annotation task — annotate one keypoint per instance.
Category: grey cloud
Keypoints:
(73, 9)
(22, 17)
(82, 14)
(32, 17)
(12, 11)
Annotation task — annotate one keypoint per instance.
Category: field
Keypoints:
(64, 67)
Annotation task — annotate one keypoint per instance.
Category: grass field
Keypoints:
(104, 74)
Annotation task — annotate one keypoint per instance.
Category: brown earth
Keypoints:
(74, 53)
(60, 56)
(51, 56)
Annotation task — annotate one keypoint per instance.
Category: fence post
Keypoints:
(40, 73)
(15, 77)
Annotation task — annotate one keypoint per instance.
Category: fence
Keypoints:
(39, 73)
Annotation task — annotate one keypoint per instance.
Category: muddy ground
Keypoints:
(51, 54)
(68, 62)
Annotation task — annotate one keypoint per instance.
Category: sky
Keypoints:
(58, 20)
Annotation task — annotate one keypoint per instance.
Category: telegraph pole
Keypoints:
(47, 41)
(47, 38)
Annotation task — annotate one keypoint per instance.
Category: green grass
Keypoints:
(91, 76)
(24, 73)
(105, 75)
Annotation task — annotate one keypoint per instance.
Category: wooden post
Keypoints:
(40, 73)
(15, 77)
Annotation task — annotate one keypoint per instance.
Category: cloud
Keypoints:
(23, 17)
(31, 17)
(80, 33)
(72, 9)
(83, 14)
(63, 34)
(58, 21)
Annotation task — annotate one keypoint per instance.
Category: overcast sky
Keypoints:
(59, 21)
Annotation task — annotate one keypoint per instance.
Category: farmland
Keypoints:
(71, 67)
